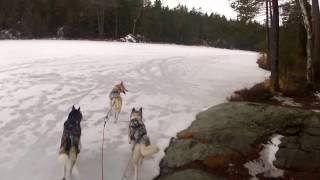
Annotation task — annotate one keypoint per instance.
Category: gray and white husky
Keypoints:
(116, 100)
(70, 142)
(142, 146)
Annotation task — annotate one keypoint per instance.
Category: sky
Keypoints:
(217, 6)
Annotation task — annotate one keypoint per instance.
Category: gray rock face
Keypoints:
(191, 174)
(224, 137)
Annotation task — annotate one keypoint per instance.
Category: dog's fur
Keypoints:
(70, 141)
(116, 100)
(141, 143)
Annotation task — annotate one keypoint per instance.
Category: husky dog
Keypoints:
(141, 142)
(70, 141)
(116, 100)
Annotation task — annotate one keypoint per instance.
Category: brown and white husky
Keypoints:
(116, 100)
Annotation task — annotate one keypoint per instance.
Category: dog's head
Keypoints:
(75, 114)
(136, 114)
(122, 88)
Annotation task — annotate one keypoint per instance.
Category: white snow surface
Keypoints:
(42, 79)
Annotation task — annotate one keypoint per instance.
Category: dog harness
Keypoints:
(114, 94)
(137, 130)
(73, 127)
(71, 135)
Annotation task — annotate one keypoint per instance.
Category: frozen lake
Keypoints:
(40, 80)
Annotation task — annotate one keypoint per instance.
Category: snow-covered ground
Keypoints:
(40, 81)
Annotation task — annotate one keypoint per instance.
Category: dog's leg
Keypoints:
(116, 116)
(135, 159)
(80, 145)
(135, 166)
(71, 166)
(141, 161)
(129, 138)
(64, 172)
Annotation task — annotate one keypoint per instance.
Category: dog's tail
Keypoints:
(66, 159)
(63, 158)
(150, 150)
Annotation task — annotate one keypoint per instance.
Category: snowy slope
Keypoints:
(41, 80)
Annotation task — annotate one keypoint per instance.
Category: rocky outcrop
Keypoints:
(224, 137)
(191, 174)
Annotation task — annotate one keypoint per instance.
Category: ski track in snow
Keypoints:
(41, 79)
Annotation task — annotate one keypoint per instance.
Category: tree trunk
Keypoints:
(267, 33)
(28, 19)
(100, 18)
(274, 48)
(307, 26)
(270, 11)
(136, 16)
(116, 26)
(100, 8)
(316, 35)
(134, 26)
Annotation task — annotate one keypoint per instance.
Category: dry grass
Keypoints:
(292, 76)
(293, 88)
(293, 83)
(263, 62)
(261, 93)
(258, 93)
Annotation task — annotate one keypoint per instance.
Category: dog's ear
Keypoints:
(73, 108)
(121, 83)
(133, 110)
(79, 108)
(140, 110)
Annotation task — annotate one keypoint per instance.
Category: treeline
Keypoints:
(293, 49)
(112, 19)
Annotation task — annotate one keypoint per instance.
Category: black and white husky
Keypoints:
(70, 142)
(141, 142)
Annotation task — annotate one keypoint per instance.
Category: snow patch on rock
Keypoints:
(129, 38)
(317, 94)
(286, 101)
(264, 165)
